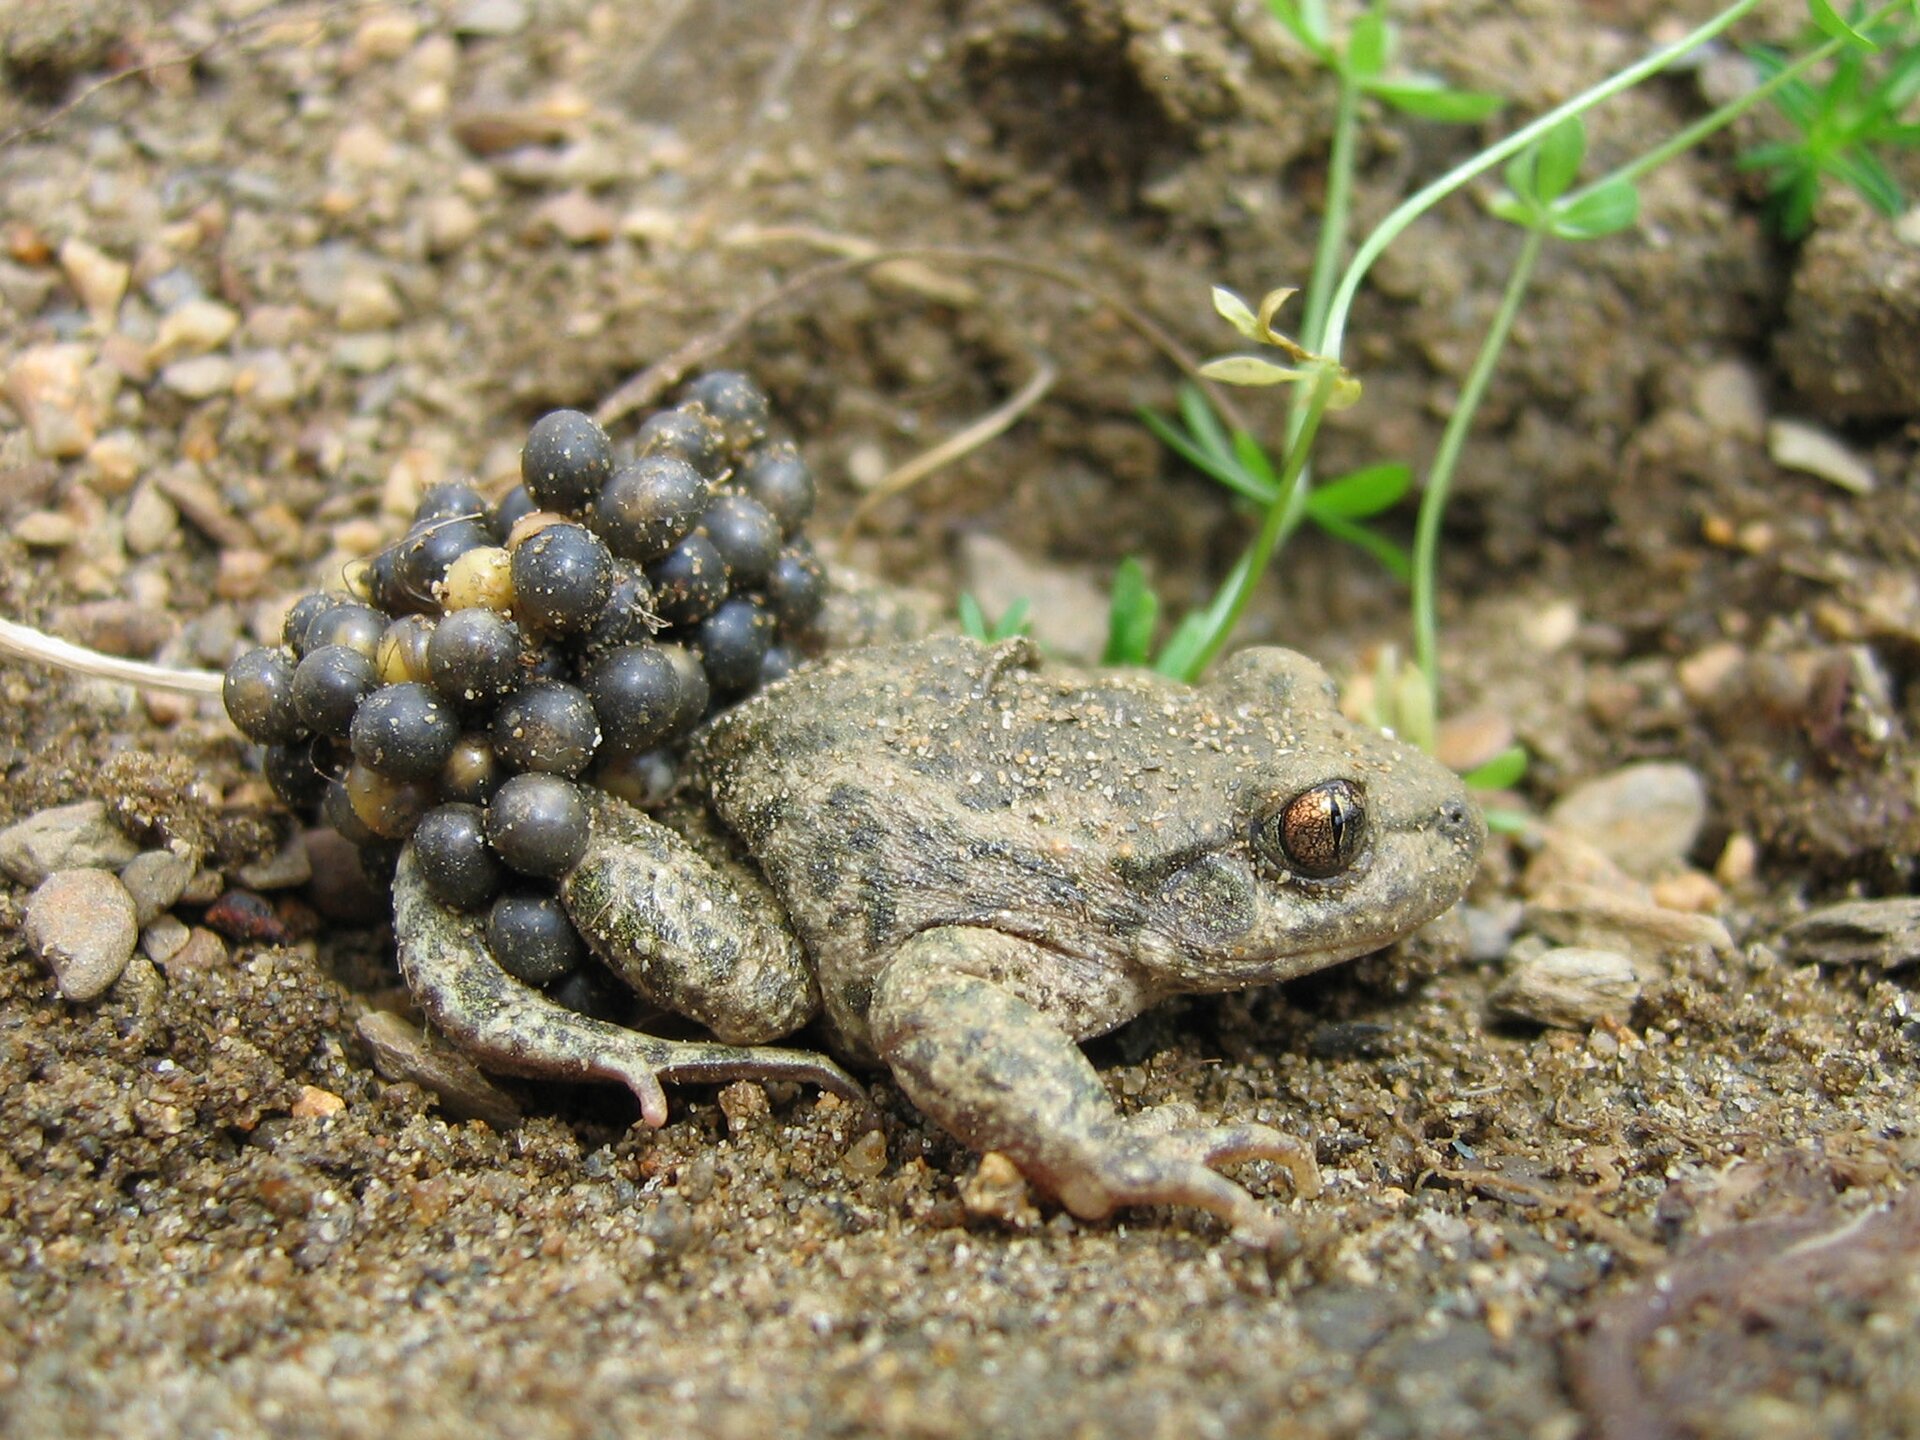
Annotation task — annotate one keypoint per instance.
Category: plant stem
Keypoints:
(1338, 213)
(1389, 229)
(1433, 501)
(1276, 522)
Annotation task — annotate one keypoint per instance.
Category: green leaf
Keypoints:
(1502, 772)
(1612, 207)
(1866, 174)
(1367, 45)
(1390, 557)
(1255, 465)
(1426, 98)
(1520, 172)
(1361, 493)
(1252, 370)
(973, 620)
(1185, 645)
(1507, 822)
(1226, 473)
(1307, 23)
(1237, 313)
(1561, 150)
(1834, 27)
(1513, 210)
(1203, 424)
(1131, 615)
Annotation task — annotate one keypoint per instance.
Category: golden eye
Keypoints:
(1318, 833)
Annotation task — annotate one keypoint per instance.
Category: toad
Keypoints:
(965, 862)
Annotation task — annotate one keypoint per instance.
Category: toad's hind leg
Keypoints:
(1000, 1075)
(513, 1029)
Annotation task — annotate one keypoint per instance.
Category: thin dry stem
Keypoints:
(964, 441)
(25, 643)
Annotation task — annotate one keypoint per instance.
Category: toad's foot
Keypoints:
(511, 1028)
(998, 1074)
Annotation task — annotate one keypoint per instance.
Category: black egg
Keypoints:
(532, 938)
(695, 692)
(561, 578)
(733, 641)
(687, 435)
(293, 775)
(796, 587)
(746, 535)
(422, 557)
(780, 480)
(507, 511)
(347, 622)
(472, 772)
(304, 612)
(539, 825)
(734, 403)
(627, 617)
(450, 846)
(389, 808)
(643, 779)
(648, 506)
(547, 726)
(403, 650)
(566, 460)
(383, 583)
(590, 990)
(336, 808)
(258, 691)
(638, 693)
(404, 732)
(473, 657)
(329, 685)
(546, 662)
(777, 664)
(451, 501)
(689, 581)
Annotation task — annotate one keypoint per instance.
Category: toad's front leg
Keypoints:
(512, 1028)
(997, 1073)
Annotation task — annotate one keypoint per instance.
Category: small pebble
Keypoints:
(998, 1191)
(203, 951)
(47, 385)
(156, 879)
(576, 217)
(1796, 445)
(451, 222)
(163, 938)
(1645, 817)
(284, 869)
(489, 17)
(200, 378)
(46, 530)
(313, 1103)
(1490, 929)
(97, 278)
(404, 1052)
(193, 329)
(151, 521)
(867, 1156)
(1885, 933)
(1582, 915)
(67, 837)
(1569, 988)
(81, 924)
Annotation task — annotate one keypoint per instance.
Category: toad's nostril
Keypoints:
(1456, 817)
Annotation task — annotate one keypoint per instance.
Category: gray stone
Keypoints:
(67, 837)
(1589, 917)
(490, 17)
(156, 879)
(1885, 933)
(1570, 988)
(283, 870)
(81, 924)
(1645, 818)
(404, 1052)
(164, 938)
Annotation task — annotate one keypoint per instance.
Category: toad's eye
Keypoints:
(1318, 833)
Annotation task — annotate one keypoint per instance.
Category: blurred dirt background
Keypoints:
(304, 260)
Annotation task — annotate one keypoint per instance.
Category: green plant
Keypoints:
(1840, 121)
(974, 622)
(1542, 161)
